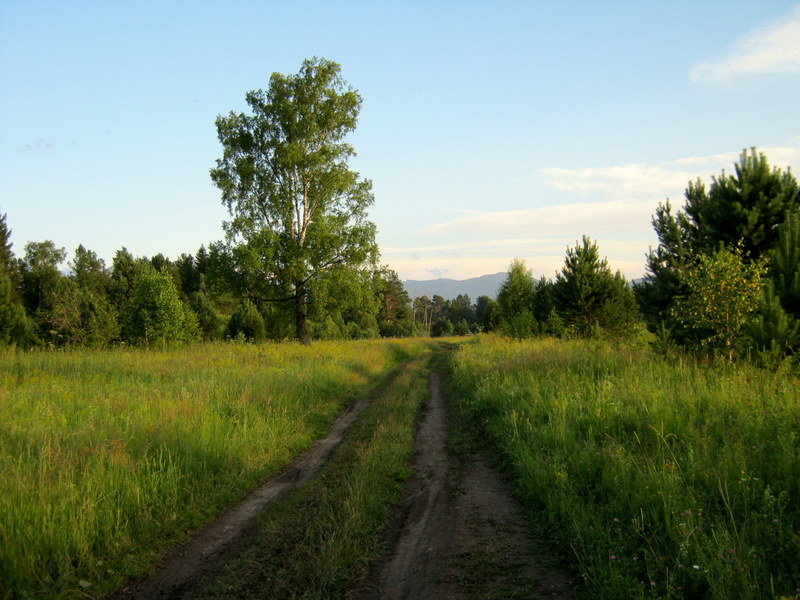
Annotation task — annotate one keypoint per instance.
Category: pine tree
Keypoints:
(123, 272)
(89, 271)
(590, 297)
(6, 255)
(247, 322)
(773, 330)
(744, 211)
(785, 264)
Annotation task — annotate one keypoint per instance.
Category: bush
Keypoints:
(154, 313)
(247, 322)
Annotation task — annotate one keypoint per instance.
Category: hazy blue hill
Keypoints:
(485, 285)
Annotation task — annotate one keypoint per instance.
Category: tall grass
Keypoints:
(108, 456)
(663, 478)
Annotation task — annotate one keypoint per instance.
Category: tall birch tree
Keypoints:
(297, 208)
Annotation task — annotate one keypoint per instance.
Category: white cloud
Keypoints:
(502, 247)
(572, 219)
(656, 182)
(771, 49)
(621, 181)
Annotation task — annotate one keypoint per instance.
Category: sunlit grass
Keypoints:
(662, 477)
(107, 456)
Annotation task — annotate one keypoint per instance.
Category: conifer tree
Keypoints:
(123, 272)
(89, 271)
(744, 210)
(247, 322)
(590, 297)
(785, 264)
(6, 255)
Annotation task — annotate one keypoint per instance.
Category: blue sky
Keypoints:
(490, 130)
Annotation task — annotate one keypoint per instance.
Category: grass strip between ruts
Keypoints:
(320, 541)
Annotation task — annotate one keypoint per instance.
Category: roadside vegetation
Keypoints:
(661, 477)
(106, 457)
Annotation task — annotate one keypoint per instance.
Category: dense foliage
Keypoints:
(751, 218)
(157, 301)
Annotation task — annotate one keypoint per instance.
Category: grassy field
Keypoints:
(107, 457)
(660, 477)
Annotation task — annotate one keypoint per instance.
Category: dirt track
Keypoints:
(176, 577)
(459, 534)
(462, 535)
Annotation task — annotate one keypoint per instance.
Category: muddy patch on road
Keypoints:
(460, 535)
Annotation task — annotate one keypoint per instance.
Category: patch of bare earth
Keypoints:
(461, 535)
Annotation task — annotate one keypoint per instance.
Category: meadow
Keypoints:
(658, 476)
(109, 456)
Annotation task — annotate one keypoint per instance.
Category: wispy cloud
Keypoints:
(641, 181)
(40, 144)
(500, 247)
(771, 49)
(633, 180)
(567, 219)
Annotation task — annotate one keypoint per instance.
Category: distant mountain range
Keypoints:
(485, 285)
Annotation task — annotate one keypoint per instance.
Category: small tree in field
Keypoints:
(515, 300)
(723, 291)
(154, 313)
(590, 297)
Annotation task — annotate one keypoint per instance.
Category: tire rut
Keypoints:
(461, 535)
(176, 576)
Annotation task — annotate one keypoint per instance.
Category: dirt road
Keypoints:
(462, 535)
(458, 534)
(178, 576)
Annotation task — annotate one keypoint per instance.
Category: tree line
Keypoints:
(141, 300)
(299, 259)
(725, 277)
